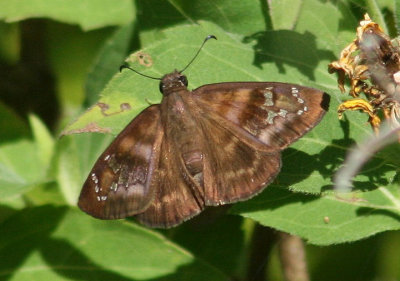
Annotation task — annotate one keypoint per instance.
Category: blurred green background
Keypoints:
(58, 58)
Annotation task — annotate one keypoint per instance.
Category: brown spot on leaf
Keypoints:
(89, 128)
(143, 59)
(104, 107)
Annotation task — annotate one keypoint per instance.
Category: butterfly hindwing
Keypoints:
(122, 181)
(234, 170)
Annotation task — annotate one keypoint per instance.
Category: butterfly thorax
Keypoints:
(173, 82)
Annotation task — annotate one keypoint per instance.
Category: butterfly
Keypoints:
(218, 144)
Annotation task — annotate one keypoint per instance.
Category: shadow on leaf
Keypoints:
(296, 167)
(25, 232)
(369, 211)
(77, 266)
(334, 155)
(272, 198)
(289, 47)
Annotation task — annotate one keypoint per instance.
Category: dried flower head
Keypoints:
(372, 64)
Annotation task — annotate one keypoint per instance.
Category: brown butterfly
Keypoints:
(218, 144)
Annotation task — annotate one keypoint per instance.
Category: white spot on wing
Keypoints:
(282, 112)
(268, 97)
(114, 186)
(94, 178)
(271, 116)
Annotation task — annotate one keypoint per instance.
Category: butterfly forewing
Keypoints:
(124, 178)
(276, 114)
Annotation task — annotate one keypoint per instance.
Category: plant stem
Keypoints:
(293, 258)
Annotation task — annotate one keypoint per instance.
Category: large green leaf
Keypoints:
(212, 66)
(110, 57)
(326, 219)
(297, 56)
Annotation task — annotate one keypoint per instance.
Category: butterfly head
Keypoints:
(173, 82)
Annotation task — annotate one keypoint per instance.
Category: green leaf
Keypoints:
(210, 67)
(72, 245)
(298, 56)
(234, 16)
(240, 17)
(397, 15)
(110, 57)
(213, 237)
(328, 219)
(284, 13)
(24, 163)
(20, 168)
(89, 14)
(331, 27)
(43, 139)
(12, 126)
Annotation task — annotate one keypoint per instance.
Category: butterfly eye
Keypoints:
(161, 86)
(183, 79)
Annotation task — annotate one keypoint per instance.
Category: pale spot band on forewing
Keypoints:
(270, 117)
(295, 92)
(277, 103)
(268, 103)
(282, 112)
(268, 96)
(285, 120)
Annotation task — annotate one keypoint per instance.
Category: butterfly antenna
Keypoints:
(201, 47)
(130, 68)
